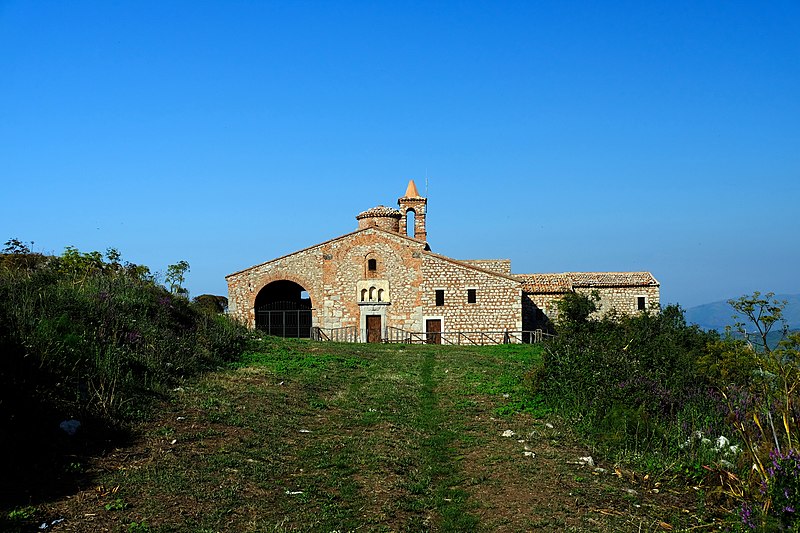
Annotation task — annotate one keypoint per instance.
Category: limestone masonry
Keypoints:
(383, 282)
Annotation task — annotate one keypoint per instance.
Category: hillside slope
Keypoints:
(305, 436)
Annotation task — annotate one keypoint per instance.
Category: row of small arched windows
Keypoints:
(373, 294)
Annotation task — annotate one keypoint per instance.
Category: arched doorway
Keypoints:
(283, 308)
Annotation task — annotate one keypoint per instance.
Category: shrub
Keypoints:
(766, 415)
(211, 303)
(782, 486)
(653, 387)
(632, 383)
(574, 308)
(97, 339)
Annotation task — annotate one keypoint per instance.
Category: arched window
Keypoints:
(410, 222)
(372, 294)
(380, 295)
(372, 268)
(363, 295)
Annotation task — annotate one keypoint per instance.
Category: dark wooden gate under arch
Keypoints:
(284, 319)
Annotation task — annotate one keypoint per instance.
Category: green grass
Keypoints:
(338, 436)
(303, 436)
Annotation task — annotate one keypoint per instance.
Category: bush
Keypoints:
(783, 486)
(211, 303)
(97, 339)
(651, 387)
(574, 309)
(632, 383)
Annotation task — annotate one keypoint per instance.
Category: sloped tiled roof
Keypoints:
(545, 283)
(566, 281)
(613, 279)
(379, 211)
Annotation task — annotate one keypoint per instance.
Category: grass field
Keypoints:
(303, 436)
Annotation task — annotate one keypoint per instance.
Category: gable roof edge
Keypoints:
(472, 267)
(323, 243)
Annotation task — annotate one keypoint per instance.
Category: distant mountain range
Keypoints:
(717, 315)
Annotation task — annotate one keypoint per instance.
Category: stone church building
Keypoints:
(382, 282)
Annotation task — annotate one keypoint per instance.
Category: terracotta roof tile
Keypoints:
(613, 279)
(566, 281)
(379, 211)
(545, 283)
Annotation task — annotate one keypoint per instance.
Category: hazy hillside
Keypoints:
(717, 315)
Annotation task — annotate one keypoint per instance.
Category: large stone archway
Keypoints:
(283, 308)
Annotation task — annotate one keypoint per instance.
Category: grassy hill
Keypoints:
(92, 342)
(304, 436)
(189, 422)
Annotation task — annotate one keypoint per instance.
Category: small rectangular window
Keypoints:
(640, 303)
(439, 297)
(372, 265)
(472, 296)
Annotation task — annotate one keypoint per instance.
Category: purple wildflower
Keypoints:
(746, 514)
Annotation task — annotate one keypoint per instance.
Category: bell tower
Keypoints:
(412, 211)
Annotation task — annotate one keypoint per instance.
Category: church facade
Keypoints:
(382, 282)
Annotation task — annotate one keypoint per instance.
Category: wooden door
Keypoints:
(373, 328)
(433, 327)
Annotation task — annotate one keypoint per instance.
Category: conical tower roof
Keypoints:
(411, 190)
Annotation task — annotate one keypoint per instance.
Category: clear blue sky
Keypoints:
(660, 136)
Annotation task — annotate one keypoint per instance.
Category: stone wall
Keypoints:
(539, 311)
(398, 273)
(501, 266)
(540, 308)
(498, 305)
(335, 272)
(623, 300)
(304, 268)
(384, 223)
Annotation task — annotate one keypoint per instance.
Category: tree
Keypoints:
(113, 256)
(211, 303)
(772, 387)
(763, 313)
(574, 308)
(176, 275)
(18, 256)
(16, 246)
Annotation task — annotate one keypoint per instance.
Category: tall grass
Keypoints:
(99, 339)
(765, 412)
(632, 383)
(652, 391)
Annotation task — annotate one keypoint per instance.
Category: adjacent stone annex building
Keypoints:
(382, 282)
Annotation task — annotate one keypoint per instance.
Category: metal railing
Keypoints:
(345, 334)
(470, 338)
(458, 338)
(402, 336)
